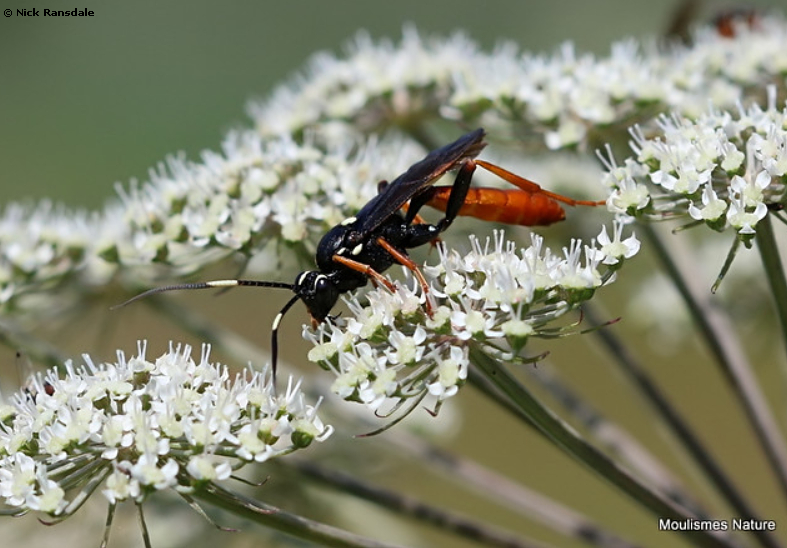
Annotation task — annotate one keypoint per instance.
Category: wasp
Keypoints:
(363, 246)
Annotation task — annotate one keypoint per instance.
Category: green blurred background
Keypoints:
(88, 102)
(93, 100)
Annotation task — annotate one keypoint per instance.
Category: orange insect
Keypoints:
(728, 21)
(531, 205)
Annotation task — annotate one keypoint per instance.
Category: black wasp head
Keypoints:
(318, 292)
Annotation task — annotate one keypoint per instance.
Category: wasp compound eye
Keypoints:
(318, 292)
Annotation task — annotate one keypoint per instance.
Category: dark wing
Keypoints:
(415, 179)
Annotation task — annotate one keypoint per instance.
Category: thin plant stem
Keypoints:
(143, 526)
(718, 332)
(615, 439)
(291, 524)
(505, 491)
(461, 525)
(690, 442)
(108, 525)
(569, 441)
(769, 252)
(493, 392)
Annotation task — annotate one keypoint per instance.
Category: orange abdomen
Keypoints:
(514, 207)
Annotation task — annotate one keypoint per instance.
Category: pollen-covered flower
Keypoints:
(137, 426)
(493, 298)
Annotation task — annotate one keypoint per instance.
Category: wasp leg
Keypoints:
(417, 219)
(404, 260)
(366, 270)
(455, 200)
(529, 186)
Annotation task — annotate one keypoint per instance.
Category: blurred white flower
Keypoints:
(562, 96)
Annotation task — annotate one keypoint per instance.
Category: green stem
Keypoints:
(463, 526)
(505, 491)
(718, 332)
(689, 441)
(291, 524)
(769, 252)
(611, 437)
(240, 349)
(570, 442)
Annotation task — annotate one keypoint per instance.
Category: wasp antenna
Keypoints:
(213, 284)
(149, 292)
(275, 334)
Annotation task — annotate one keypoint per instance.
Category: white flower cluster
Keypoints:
(255, 190)
(311, 168)
(723, 169)
(563, 97)
(495, 296)
(39, 245)
(139, 426)
(189, 215)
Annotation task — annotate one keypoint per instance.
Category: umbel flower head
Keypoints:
(558, 98)
(389, 354)
(724, 169)
(137, 426)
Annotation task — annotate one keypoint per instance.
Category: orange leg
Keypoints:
(530, 186)
(365, 269)
(376, 277)
(407, 262)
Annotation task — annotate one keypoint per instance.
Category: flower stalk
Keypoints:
(548, 424)
(774, 271)
(292, 524)
(720, 337)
